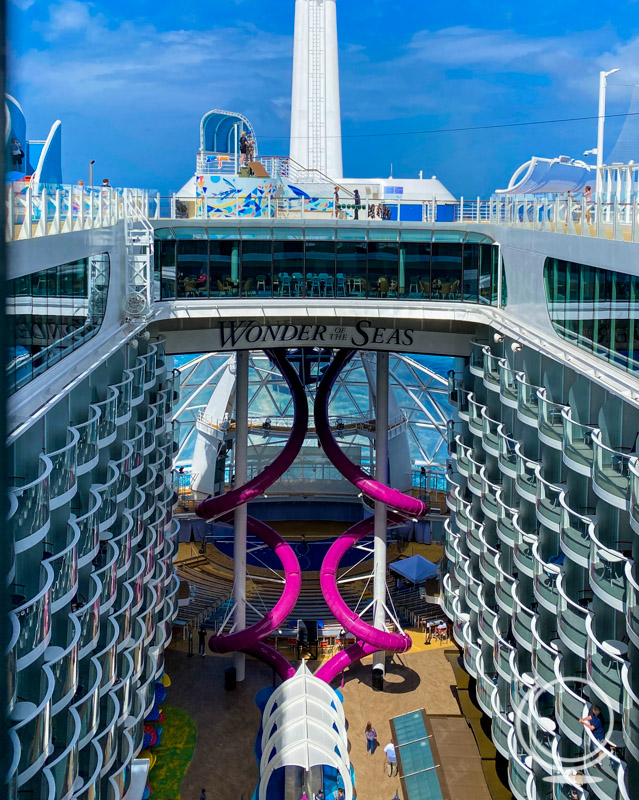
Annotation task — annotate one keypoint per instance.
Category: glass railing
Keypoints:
(149, 431)
(160, 357)
(543, 659)
(460, 564)
(477, 355)
(491, 371)
(463, 453)
(471, 650)
(475, 415)
(503, 590)
(474, 475)
(634, 494)
(630, 717)
(611, 472)
(107, 430)
(473, 588)
(462, 404)
(62, 767)
(89, 526)
(65, 568)
(603, 768)
(604, 665)
(507, 454)
(523, 548)
(119, 782)
(149, 360)
(90, 765)
(136, 647)
(87, 447)
(570, 705)
(487, 559)
(571, 620)
(575, 533)
(526, 475)
(502, 652)
(34, 616)
(123, 402)
(519, 775)
(489, 492)
(631, 602)
(448, 596)
(33, 728)
(62, 481)
(578, 446)
(486, 621)
(30, 521)
(545, 580)
(137, 389)
(159, 404)
(122, 613)
(123, 543)
(607, 573)
(123, 466)
(108, 510)
(486, 686)
(87, 706)
(106, 571)
(106, 652)
(505, 521)
(523, 619)
(507, 384)
(501, 726)
(490, 433)
(106, 736)
(527, 400)
(551, 422)
(88, 615)
(122, 690)
(548, 502)
(473, 542)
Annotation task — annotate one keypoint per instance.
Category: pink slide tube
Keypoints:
(370, 639)
(215, 507)
(395, 499)
(247, 638)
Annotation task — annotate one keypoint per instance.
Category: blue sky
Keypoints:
(130, 80)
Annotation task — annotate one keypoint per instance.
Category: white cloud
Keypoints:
(23, 5)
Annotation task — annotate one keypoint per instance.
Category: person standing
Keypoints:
(371, 735)
(594, 723)
(190, 643)
(202, 640)
(391, 759)
(203, 794)
(358, 201)
(336, 199)
(243, 148)
(16, 154)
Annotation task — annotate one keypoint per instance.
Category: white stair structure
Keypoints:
(139, 239)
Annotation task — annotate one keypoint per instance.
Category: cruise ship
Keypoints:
(290, 453)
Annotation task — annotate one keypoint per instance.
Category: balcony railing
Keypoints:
(604, 666)
(578, 450)
(571, 620)
(611, 476)
(631, 602)
(634, 494)
(551, 426)
(527, 400)
(607, 573)
(526, 476)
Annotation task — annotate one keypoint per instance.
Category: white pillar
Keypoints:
(241, 476)
(316, 127)
(381, 475)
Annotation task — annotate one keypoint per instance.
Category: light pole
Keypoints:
(603, 75)
(91, 163)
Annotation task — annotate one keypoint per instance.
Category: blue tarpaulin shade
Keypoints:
(415, 569)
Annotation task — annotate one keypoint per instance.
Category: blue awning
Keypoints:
(415, 569)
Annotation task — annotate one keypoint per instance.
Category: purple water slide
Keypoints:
(395, 499)
(370, 639)
(247, 638)
(250, 639)
(215, 507)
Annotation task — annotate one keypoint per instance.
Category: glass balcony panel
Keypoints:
(160, 357)
(106, 424)
(611, 472)
(491, 371)
(604, 666)
(473, 542)
(149, 360)
(123, 542)
(123, 466)
(475, 418)
(88, 705)
(507, 384)
(87, 446)
(548, 503)
(33, 729)
(65, 567)
(63, 478)
(90, 765)
(31, 519)
(88, 615)
(89, 527)
(503, 591)
(507, 454)
(500, 729)
(519, 775)
(106, 571)
(631, 602)
(578, 445)
(544, 656)
(62, 766)
(106, 738)
(474, 476)
(523, 619)
(108, 494)
(34, 617)
(634, 494)
(487, 560)
(462, 406)
(527, 401)
(506, 522)
(630, 716)
(107, 652)
(477, 355)
(526, 476)
(545, 581)
(575, 534)
(502, 653)
(523, 548)
(137, 389)
(571, 620)
(64, 665)
(570, 707)
(551, 424)
(489, 492)
(471, 650)
(602, 768)
(125, 395)
(485, 687)
(463, 457)
(486, 622)
(607, 573)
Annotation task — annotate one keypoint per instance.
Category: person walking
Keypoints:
(16, 154)
(371, 735)
(357, 200)
(203, 794)
(202, 640)
(336, 200)
(391, 759)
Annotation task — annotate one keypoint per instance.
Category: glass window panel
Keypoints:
(446, 272)
(190, 233)
(320, 233)
(168, 271)
(288, 268)
(415, 261)
(256, 233)
(257, 266)
(383, 269)
(420, 235)
(288, 233)
(192, 268)
(351, 264)
(471, 273)
(224, 268)
(448, 236)
(320, 271)
(164, 233)
(223, 233)
(383, 234)
(485, 273)
(351, 234)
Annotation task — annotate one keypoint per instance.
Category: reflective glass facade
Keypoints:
(51, 313)
(597, 309)
(325, 263)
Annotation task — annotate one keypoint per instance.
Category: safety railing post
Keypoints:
(478, 210)
(10, 228)
(41, 229)
(461, 209)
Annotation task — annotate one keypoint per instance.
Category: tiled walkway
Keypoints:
(224, 762)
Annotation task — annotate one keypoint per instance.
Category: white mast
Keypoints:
(316, 127)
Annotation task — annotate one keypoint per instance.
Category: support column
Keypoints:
(381, 475)
(239, 545)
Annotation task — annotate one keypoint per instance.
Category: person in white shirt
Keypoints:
(391, 759)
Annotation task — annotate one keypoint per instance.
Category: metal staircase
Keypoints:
(139, 239)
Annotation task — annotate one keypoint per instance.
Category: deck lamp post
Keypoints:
(603, 82)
